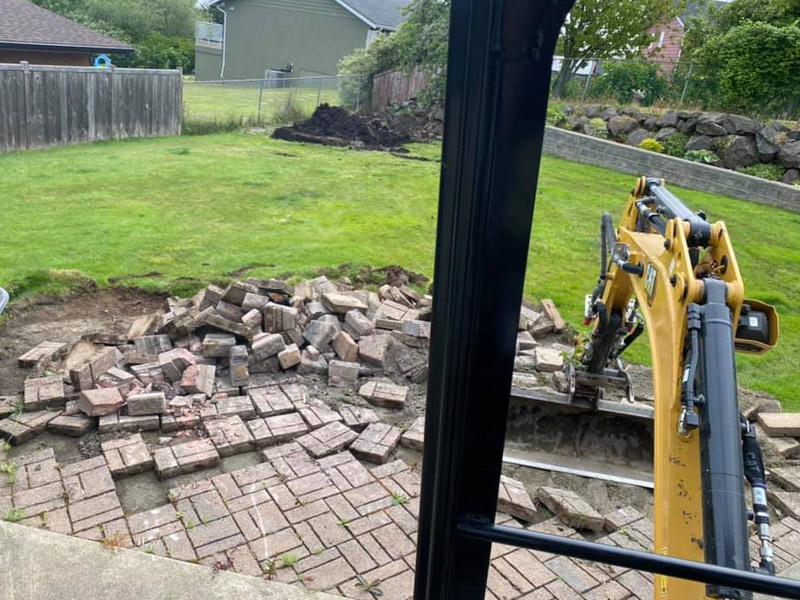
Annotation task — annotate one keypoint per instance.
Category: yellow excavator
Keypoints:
(670, 271)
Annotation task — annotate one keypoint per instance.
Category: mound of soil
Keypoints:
(336, 126)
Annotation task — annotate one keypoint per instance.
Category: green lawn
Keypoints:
(223, 101)
(199, 207)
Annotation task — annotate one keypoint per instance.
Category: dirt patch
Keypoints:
(393, 275)
(336, 126)
(66, 320)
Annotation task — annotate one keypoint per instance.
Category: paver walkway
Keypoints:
(328, 524)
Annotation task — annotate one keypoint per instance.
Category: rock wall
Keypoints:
(736, 140)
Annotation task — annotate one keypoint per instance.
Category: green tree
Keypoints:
(599, 29)
(754, 67)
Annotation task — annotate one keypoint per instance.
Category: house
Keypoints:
(301, 37)
(40, 37)
(666, 49)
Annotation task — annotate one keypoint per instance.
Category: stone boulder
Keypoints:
(668, 119)
(620, 126)
(687, 126)
(633, 112)
(741, 152)
(698, 142)
(791, 176)
(608, 112)
(710, 125)
(637, 136)
(664, 133)
(650, 123)
(592, 111)
(789, 155)
(739, 125)
(579, 124)
(768, 141)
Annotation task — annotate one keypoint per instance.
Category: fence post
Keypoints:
(27, 100)
(260, 94)
(686, 83)
(115, 135)
(319, 91)
(588, 79)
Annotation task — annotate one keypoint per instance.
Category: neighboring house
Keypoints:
(666, 49)
(303, 37)
(33, 34)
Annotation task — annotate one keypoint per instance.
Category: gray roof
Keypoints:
(379, 14)
(26, 25)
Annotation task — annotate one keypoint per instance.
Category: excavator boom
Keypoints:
(675, 274)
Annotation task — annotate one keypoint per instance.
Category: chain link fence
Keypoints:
(275, 99)
(645, 82)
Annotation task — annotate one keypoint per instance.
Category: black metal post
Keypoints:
(499, 66)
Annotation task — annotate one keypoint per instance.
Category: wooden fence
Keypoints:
(44, 106)
(396, 87)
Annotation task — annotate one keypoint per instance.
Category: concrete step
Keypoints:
(40, 564)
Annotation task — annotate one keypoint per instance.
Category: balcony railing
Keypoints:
(208, 34)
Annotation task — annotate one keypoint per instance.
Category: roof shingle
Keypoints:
(25, 23)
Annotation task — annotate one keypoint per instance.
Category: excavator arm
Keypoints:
(675, 274)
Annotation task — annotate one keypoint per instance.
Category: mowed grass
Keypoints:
(157, 212)
(226, 101)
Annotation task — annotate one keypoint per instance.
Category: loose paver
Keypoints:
(73, 425)
(357, 417)
(87, 479)
(99, 402)
(570, 508)
(153, 403)
(376, 442)
(317, 414)
(44, 392)
(514, 499)
(44, 351)
(387, 395)
(780, 424)
(228, 406)
(277, 429)
(127, 455)
(127, 423)
(185, 458)
(18, 429)
(414, 436)
(328, 439)
(270, 401)
(229, 435)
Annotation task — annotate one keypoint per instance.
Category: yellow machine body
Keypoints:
(667, 286)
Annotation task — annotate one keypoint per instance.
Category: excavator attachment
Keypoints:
(671, 272)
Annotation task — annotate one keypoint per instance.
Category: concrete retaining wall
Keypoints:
(627, 159)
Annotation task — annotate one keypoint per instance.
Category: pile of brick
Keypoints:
(211, 364)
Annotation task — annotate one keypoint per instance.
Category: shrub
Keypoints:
(764, 171)
(675, 145)
(620, 79)
(357, 70)
(160, 52)
(555, 115)
(706, 157)
(652, 145)
(598, 127)
(755, 67)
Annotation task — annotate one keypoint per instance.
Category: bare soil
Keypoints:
(336, 126)
(66, 320)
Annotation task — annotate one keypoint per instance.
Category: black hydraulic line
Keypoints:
(629, 339)
(602, 344)
(756, 476)
(670, 206)
(650, 218)
(719, 576)
(724, 509)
